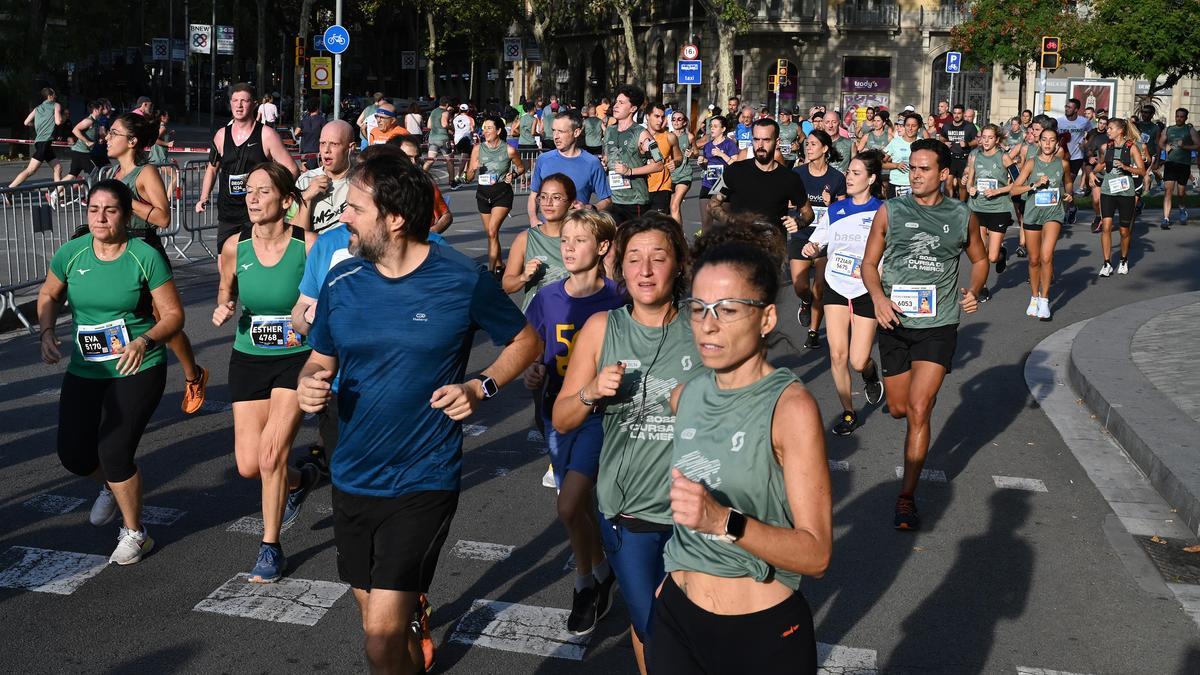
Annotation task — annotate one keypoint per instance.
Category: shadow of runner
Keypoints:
(173, 659)
(989, 582)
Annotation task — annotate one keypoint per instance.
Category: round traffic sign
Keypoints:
(337, 39)
(690, 52)
(320, 73)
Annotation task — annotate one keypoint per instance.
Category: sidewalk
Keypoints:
(1136, 367)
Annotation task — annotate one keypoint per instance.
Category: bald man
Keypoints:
(324, 188)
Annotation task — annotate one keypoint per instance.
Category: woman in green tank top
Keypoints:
(1122, 163)
(496, 164)
(878, 137)
(268, 354)
(681, 175)
(162, 140)
(989, 185)
(1045, 180)
(127, 135)
(744, 531)
(535, 259)
(626, 362)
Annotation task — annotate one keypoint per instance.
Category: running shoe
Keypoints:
(906, 514)
(604, 593)
(804, 314)
(984, 294)
(420, 626)
(105, 507)
(1096, 225)
(873, 388)
(1072, 214)
(548, 477)
(1123, 268)
(847, 423)
(52, 198)
(1106, 270)
(582, 619)
(1021, 252)
(131, 547)
(1002, 261)
(193, 392)
(1165, 224)
(812, 342)
(1043, 310)
(1032, 309)
(270, 564)
(1137, 208)
(309, 475)
(1183, 216)
(316, 457)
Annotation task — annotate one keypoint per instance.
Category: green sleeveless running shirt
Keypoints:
(268, 295)
(548, 249)
(494, 161)
(1176, 136)
(920, 259)
(1045, 205)
(593, 132)
(437, 132)
(1114, 181)
(683, 170)
(990, 174)
(877, 141)
(525, 126)
(622, 146)
(845, 146)
(43, 122)
(88, 133)
(130, 180)
(723, 439)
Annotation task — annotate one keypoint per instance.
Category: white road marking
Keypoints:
(1026, 670)
(1012, 483)
(48, 571)
(839, 465)
(570, 563)
(535, 436)
(289, 600)
(842, 660)
(932, 475)
(48, 392)
(481, 550)
(251, 525)
(160, 515)
(473, 429)
(525, 629)
(56, 504)
(500, 472)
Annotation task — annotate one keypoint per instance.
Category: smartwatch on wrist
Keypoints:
(735, 527)
(489, 387)
(150, 343)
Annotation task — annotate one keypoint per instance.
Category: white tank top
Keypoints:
(462, 127)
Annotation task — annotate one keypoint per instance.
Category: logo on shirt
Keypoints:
(246, 266)
(83, 272)
(631, 364)
(923, 243)
(913, 225)
(686, 362)
(739, 439)
(420, 316)
(687, 434)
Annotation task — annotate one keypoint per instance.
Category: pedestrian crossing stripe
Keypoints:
(1013, 483)
(1025, 670)
(843, 660)
(160, 515)
(839, 465)
(297, 601)
(931, 475)
(525, 629)
(252, 525)
(481, 550)
(55, 504)
(473, 429)
(48, 571)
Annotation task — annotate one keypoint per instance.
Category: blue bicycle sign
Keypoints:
(337, 39)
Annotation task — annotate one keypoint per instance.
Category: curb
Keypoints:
(1162, 440)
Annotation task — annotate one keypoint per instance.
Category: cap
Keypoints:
(464, 106)
(909, 108)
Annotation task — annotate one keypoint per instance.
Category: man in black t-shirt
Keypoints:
(763, 186)
(960, 135)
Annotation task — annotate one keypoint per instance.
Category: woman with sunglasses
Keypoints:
(750, 492)
(626, 362)
(681, 173)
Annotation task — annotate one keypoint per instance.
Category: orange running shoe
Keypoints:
(193, 392)
(421, 628)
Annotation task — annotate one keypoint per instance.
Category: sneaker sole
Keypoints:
(146, 549)
(585, 632)
(265, 580)
(906, 527)
(106, 521)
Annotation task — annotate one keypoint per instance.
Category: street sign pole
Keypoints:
(1039, 106)
(212, 76)
(187, 66)
(950, 98)
(337, 69)
(691, 7)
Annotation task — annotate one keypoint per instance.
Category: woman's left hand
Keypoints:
(693, 507)
(131, 358)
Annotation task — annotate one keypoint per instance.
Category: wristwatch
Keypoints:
(735, 527)
(150, 343)
(489, 387)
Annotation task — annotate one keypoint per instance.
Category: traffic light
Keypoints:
(1050, 52)
(299, 52)
(781, 66)
(773, 81)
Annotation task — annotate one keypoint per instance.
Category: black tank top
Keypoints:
(235, 165)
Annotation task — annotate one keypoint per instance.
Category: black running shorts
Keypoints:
(498, 196)
(994, 222)
(391, 543)
(252, 376)
(1176, 172)
(860, 306)
(900, 346)
(43, 151)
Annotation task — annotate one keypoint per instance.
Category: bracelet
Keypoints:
(585, 401)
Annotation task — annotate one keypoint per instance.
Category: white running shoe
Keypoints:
(1032, 310)
(1106, 270)
(548, 478)
(1123, 268)
(105, 508)
(131, 547)
(1043, 309)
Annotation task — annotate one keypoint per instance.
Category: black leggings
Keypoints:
(100, 421)
(687, 639)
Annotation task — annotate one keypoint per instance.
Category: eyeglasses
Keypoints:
(725, 310)
(556, 199)
(110, 133)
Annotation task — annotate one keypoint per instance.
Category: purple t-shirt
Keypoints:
(557, 318)
(716, 165)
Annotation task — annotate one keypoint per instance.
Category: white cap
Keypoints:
(909, 108)
(464, 106)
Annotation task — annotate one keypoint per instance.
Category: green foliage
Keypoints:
(1009, 32)
(1147, 39)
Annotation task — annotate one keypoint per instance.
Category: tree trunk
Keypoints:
(261, 56)
(725, 80)
(1022, 86)
(430, 82)
(635, 60)
(298, 100)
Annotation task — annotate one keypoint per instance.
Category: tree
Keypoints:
(298, 80)
(729, 17)
(1150, 39)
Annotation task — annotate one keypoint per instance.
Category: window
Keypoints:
(866, 66)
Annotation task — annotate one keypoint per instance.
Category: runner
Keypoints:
(1077, 126)
(309, 132)
(144, 106)
(989, 184)
(584, 169)
(1177, 142)
(789, 137)
(630, 155)
(1047, 176)
(1014, 134)
(266, 266)
(438, 128)
(556, 313)
(118, 369)
(545, 124)
(86, 135)
(716, 154)
(45, 118)
(1115, 177)
(268, 113)
(751, 515)
(1093, 154)
(366, 119)
(236, 148)
(627, 361)
(843, 145)
(151, 211)
(659, 184)
(960, 136)
(681, 171)
(413, 120)
(524, 129)
(919, 239)
(593, 131)
(823, 184)
(397, 477)
(943, 116)
(535, 258)
(742, 133)
(897, 153)
(323, 189)
(387, 126)
(1148, 131)
(164, 140)
(464, 142)
(879, 135)
(497, 165)
(841, 237)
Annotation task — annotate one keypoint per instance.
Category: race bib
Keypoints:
(274, 332)
(848, 266)
(985, 184)
(902, 190)
(617, 182)
(237, 184)
(488, 179)
(1119, 184)
(916, 300)
(1145, 139)
(102, 342)
(713, 174)
(743, 144)
(1048, 197)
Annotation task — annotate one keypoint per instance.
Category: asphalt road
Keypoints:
(997, 580)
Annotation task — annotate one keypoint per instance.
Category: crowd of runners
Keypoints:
(691, 474)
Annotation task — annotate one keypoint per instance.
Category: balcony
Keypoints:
(868, 15)
(942, 19)
(803, 16)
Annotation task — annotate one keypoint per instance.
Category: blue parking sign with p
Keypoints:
(953, 62)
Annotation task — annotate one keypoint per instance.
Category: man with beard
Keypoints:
(763, 186)
(397, 476)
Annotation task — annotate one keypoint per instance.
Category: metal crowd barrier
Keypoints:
(35, 220)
